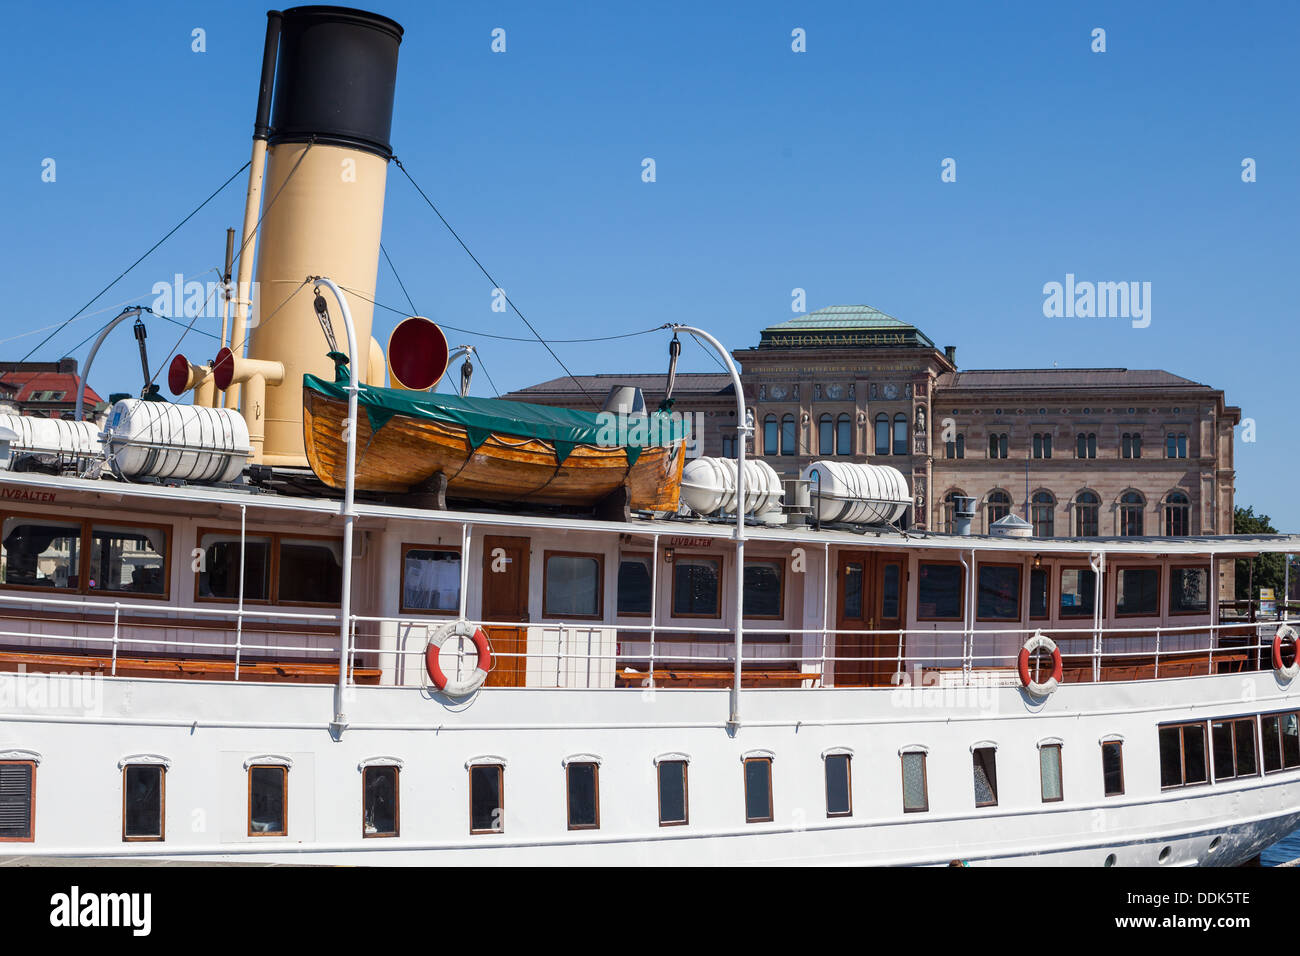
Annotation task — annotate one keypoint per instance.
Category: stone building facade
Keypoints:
(1077, 452)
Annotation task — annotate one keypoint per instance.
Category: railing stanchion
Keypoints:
(654, 608)
(1157, 673)
(826, 600)
(117, 610)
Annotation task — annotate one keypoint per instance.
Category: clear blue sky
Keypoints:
(775, 170)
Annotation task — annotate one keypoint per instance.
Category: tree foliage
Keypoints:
(1270, 570)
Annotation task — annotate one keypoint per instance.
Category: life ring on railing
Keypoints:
(1040, 641)
(1286, 632)
(467, 685)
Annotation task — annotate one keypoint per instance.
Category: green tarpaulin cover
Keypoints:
(480, 417)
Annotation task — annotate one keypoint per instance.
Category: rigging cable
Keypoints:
(495, 285)
(140, 260)
(414, 310)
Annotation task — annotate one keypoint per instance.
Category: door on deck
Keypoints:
(869, 589)
(505, 598)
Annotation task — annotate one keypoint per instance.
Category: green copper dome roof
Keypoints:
(845, 326)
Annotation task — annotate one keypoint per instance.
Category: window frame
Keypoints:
(648, 556)
(1047, 602)
(1060, 771)
(686, 789)
(975, 750)
(771, 449)
(30, 762)
(1119, 746)
(1256, 738)
(84, 559)
(1169, 507)
(1209, 601)
(925, 778)
(780, 561)
(600, 584)
(499, 766)
(771, 804)
(1181, 727)
(401, 584)
(1093, 507)
(848, 779)
(161, 767)
(397, 801)
(900, 446)
(672, 602)
(1279, 714)
(882, 419)
(844, 420)
(789, 419)
(825, 429)
(1060, 588)
(284, 797)
(568, 793)
(273, 569)
(1119, 569)
(961, 596)
(1020, 589)
(1035, 505)
(990, 504)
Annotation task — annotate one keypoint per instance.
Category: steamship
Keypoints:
(315, 612)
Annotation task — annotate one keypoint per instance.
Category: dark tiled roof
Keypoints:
(598, 386)
(1024, 378)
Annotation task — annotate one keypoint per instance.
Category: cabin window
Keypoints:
(573, 585)
(844, 435)
(1281, 739)
(1189, 590)
(487, 813)
(1040, 586)
(1049, 771)
(763, 588)
(916, 798)
(268, 800)
(882, 434)
(17, 808)
(758, 789)
(1112, 767)
(673, 800)
(1078, 592)
(770, 432)
(825, 436)
(584, 795)
(1233, 743)
(1182, 755)
(999, 592)
(379, 794)
(939, 592)
(430, 579)
(143, 801)
(985, 763)
(311, 571)
(697, 587)
(634, 580)
(43, 554)
(219, 567)
(128, 560)
(839, 785)
(1137, 591)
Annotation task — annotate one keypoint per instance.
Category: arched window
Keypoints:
(998, 445)
(1085, 445)
(1087, 507)
(950, 510)
(1043, 510)
(787, 435)
(844, 435)
(1130, 514)
(826, 435)
(1178, 514)
(770, 439)
(999, 506)
(900, 434)
(882, 434)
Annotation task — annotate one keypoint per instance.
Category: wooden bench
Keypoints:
(194, 668)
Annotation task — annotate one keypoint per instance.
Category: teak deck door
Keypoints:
(870, 588)
(505, 598)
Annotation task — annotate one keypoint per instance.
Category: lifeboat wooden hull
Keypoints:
(407, 452)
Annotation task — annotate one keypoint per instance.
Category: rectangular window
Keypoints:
(758, 789)
(430, 579)
(1233, 745)
(999, 592)
(1078, 592)
(634, 577)
(1040, 585)
(763, 589)
(310, 571)
(1189, 590)
(584, 796)
(839, 786)
(916, 798)
(278, 569)
(697, 587)
(985, 761)
(128, 560)
(379, 807)
(1137, 591)
(573, 585)
(1112, 767)
(673, 799)
(1049, 770)
(143, 801)
(1281, 741)
(487, 808)
(41, 554)
(219, 567)
(17, 809)
(268, 800)
(939, 592)
(1183, 760)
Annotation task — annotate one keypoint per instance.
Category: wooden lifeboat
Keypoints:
(486, 449)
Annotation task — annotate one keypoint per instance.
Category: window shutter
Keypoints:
(15, 800)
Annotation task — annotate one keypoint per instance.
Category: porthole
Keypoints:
(1165, 854)
(1110, 860)
(1214, 844)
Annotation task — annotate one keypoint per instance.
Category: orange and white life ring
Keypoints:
(1286, 632)
(466, 685)
(1040, 641)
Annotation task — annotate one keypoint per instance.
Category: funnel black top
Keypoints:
(335, 77)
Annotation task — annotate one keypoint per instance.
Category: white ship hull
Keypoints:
(208, 730)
